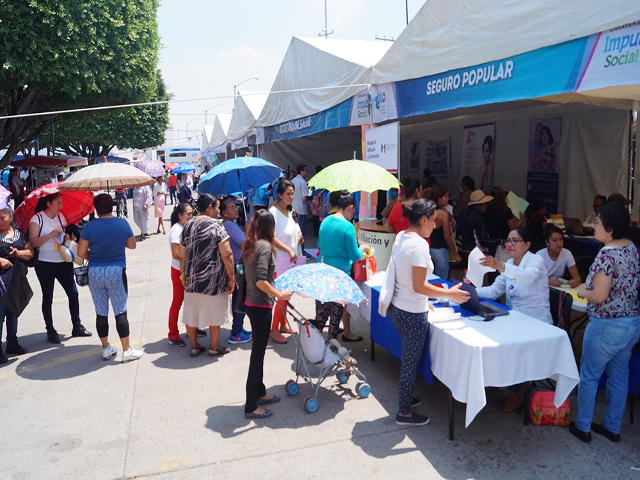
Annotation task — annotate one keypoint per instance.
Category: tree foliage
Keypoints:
(95, 134)
(63, 54)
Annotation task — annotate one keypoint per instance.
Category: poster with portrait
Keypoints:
(439, 158)
(414, 156)
(477, 155)
(544, 162)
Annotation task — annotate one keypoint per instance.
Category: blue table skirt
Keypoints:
(384, 333)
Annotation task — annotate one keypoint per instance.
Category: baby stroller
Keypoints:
(184, 196)
(314, 353)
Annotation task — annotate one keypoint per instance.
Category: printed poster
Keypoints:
(439, 158)
(477, 154)
(414, 156)
(543, 160)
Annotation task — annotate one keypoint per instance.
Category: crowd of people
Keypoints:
(208, 247)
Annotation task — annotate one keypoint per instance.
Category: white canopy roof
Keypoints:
(221, 123)
(206, 137)
(451, 34)
(319, 62)
(247, 109)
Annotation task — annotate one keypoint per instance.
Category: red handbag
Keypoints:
(542, 410)
(364, 269)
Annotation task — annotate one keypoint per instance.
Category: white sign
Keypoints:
(382, 242)
(383, 102)
(382, 146)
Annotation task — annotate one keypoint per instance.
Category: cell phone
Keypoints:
(240, 269)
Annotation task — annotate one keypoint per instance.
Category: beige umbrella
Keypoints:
(107, 176)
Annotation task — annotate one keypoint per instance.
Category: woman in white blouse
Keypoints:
(289, 236)
(159, 199)
(523, 278)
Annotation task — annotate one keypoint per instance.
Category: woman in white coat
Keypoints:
(523, 278)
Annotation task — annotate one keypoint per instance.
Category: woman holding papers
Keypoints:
(410, 300)
(611, 291)
(523, 278)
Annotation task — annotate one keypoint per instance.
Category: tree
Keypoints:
(95, 134)
(63, 54)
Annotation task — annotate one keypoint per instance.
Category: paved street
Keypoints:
(69, 414)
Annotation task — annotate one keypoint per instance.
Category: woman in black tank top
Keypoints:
(441, 240)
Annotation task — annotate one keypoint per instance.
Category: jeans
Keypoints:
(176, 303)
(238, 318)
(12, 324)
(108, 283)
(607, 345)
(48, 273)
(260, 318)
(172, 194)
(440, 258)
(413, 329)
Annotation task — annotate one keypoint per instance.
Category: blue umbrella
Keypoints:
(238, 175)
(322, 282)
(184, 168)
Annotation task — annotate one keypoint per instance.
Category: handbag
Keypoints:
(388, 286)
(364, 269)
(241, 287)
(19, 293)
(82, 275)
(543, 411)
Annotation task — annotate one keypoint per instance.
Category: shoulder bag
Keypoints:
(241, 287)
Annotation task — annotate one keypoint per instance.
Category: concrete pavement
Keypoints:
(69, 414)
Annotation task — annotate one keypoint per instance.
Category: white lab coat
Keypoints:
(526, 287)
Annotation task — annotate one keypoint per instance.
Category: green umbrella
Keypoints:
(355, 176)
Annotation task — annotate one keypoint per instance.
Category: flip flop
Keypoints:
(217, 352)
(199, 351)
(266, 414)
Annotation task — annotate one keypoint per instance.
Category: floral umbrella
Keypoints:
(75, 205)
(322, 282)
(153, 168)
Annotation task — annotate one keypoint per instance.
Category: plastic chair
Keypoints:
(583, 264)
(634, 380)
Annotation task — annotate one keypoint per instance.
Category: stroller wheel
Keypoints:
(342, 377)
(311, 404)
(291, 387)
(363, 389)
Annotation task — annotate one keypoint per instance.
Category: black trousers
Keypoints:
(260, 319)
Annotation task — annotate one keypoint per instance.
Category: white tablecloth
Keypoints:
(468, 356)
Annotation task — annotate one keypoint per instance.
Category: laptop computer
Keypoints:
(485, 310)
(573, 226)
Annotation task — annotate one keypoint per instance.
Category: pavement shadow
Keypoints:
(63, 363)
(37, 342)
(289, 413)
(177, 358)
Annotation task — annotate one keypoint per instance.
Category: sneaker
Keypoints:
(601, 430)
(414, 419)
(80, 331)
(415, 402)
(16, 349)
(242, 337)
(131, 355)
(246, 332)
(201, 333)
(178, 342)
(109, 352)
(52, 336)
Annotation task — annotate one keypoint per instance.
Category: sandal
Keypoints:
(286, 329)
(217, 352)
(278, 339)
(196, 351)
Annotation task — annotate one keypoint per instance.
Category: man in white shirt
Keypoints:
(300, 197)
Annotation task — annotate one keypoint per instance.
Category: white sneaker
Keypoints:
(131, 355)
(109, 352)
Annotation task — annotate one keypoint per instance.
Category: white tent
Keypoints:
(206, 137)
(319, 62)
(247, 109)
(451, 34)
(218, 141)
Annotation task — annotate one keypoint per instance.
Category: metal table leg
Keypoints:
(450, 415)
(525, 406)
(373, 351)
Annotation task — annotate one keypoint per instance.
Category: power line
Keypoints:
(164, 102)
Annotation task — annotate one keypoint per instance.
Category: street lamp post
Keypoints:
(205, 112)
(244, 81)
(187, 127)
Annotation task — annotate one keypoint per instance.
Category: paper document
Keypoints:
(283, 263)
(516, 204)
(475, 271)
(442, 315)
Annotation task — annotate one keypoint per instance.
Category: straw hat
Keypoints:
(478, 197)
(618, 198)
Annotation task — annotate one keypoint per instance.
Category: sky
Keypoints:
(210, 46)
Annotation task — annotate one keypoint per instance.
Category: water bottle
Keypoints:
(445, 301)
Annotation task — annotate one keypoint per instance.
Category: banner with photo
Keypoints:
(477, 155)
(439, 158)
(542, 177)
(414, 156)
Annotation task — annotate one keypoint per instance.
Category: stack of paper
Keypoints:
(442, 315)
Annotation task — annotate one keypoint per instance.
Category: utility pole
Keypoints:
(406, 2)
(325, 32)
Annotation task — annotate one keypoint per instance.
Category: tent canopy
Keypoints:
(319, 62)
(59, 161)
(206, 137)
(451, 34)
(246, 111)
